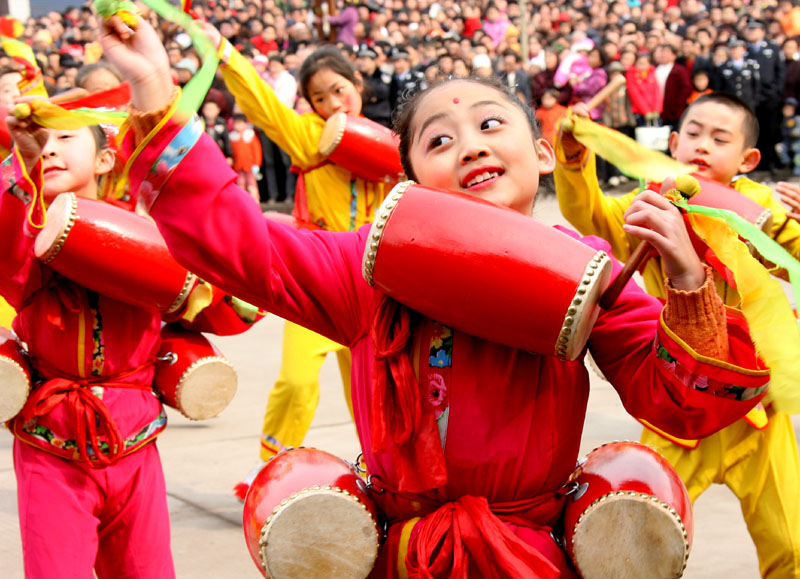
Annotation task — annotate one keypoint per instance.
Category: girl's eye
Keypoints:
(438, 141)
(490, 124)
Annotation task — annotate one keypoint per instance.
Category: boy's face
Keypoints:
(71, 163)
(239, 125)
(9, 88)
(788, 111)
(548, 101)
(712, 138)
(473, 139)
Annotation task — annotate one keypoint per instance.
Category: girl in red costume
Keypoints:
(468, 441)
(91, 490)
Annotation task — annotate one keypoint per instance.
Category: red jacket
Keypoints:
(643, 91)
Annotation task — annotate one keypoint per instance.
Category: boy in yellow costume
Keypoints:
(332, 198)
(757, 457)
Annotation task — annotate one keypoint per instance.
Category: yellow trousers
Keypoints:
(7, 314)
(762, 469)
(293, 400)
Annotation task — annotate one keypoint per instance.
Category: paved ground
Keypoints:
(203, 460)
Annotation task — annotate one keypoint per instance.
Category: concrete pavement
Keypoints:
(203, 460)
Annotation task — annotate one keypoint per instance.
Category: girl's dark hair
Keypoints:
(87, 70)
(100, 138)
(404, 116)
(326, 57)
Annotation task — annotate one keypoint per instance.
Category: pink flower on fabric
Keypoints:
(161, 168)
(437, 394)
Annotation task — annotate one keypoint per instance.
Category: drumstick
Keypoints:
(605, 92)
(689, 188)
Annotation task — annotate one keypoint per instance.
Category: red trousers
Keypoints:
(75, 519)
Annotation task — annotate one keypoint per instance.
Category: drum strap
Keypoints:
(89, 414)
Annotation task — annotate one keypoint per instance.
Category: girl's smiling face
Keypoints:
(469, 137)
(71, 163)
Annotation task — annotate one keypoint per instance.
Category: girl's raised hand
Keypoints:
(654, 219)
(29, 138)
(790, 194)
(141, 59)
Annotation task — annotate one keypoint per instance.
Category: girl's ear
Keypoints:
(546, 156)
(104, 161)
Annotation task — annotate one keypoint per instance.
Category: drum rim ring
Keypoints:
(632, 494)
(599, 266)
(314, 489)
(61, 239)
(764, 221)
(326, 151)
(188, 284)
(376, 229)
(193, 366)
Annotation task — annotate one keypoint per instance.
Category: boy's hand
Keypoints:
(141, 59)
(654, 219)
(790, 194)
(28, 137)
(572, 148)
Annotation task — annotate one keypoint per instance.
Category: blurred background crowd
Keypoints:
(553, 53)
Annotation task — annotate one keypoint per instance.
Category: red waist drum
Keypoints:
(629, 515)
(191, 375)
(363, 147)
(719, 196)
(308, 514)
(15, 376)
(113, 252)
(486, 270)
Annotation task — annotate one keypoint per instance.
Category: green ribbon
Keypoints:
(767, 247)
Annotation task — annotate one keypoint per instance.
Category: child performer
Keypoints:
(91, 490)
(246, 149)
(757, 457)
(328, 196)
(514, 418)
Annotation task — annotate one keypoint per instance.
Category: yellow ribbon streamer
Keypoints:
(769, 316)
(52, 116)
(632, 158)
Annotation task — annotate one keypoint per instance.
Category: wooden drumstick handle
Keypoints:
(635, 261)
(688, 187)
(605, 92)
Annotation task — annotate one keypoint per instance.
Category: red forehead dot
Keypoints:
(455, 101)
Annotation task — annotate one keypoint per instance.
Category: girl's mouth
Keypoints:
(481, 178)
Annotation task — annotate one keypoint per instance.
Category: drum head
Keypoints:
(60, 218)
(629, 535)
(332, 133)
(319, 534)
(206, 388)
(15, 387)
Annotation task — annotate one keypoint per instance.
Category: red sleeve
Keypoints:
(213, 228)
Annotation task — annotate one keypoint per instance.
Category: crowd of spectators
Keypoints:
(670, 52)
